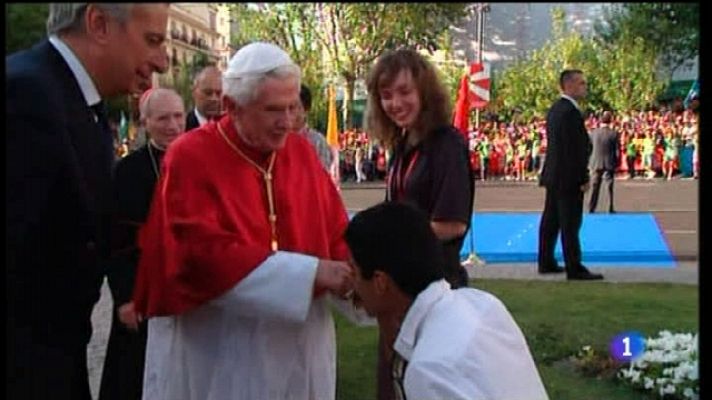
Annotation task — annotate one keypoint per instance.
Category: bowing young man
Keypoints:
(450, 344)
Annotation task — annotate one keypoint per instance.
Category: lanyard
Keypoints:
(397, 179)
(267, 176)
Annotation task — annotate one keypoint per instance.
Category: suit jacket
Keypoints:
(57, 194)
(606, 149)
(191, 120)
(568, 148)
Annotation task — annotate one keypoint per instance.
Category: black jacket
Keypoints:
(191, 120)
(568, 148)
(57, 193)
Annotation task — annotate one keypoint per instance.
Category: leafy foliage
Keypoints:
(25, 25)
(338, 42)
(670, 30)
(292, 27)
(621, 75)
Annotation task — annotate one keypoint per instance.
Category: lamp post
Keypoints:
(481, 9)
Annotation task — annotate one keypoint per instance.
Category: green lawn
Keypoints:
(557, 318)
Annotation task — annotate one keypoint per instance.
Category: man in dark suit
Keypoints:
(207, 94)
(565, 176)
(59, 153)
(604, 160)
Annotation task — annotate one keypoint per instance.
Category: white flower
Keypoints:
(669, 365)
(669, 389)
(635, 376)
(689, 393)
(693, 373)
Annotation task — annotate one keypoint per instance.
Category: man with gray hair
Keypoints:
(135, 177)
(59, 153)
(207, 92)
(243, 249)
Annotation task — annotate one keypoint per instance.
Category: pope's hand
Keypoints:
(128, 316)
(335, 276)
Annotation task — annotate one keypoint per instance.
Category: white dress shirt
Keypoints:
(86, 84)
(464, 344)
(571, 99)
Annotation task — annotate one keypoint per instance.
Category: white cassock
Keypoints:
(266, 338)
(464, 344)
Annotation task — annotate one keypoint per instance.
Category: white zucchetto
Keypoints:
(255, 58)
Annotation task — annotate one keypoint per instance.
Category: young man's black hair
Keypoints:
(397, 239)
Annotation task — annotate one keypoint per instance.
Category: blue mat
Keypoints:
(621, 240)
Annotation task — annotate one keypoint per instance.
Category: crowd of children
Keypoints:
(652, 144)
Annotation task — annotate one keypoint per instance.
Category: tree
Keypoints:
(627, 77)
(532, 83)
(338, 42)
(621, 74)
(25, 25)
(182, 78)
(355, 34)
(291, 26)
(671, 30)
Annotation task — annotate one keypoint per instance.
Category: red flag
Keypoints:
(462, 108)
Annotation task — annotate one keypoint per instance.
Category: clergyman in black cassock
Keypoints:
(134, 181)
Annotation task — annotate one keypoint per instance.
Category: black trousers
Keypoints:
(563, 212)
(631, 166)
(122, 376)
(596, 180)
(37, 371)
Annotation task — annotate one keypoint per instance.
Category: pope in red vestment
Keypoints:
(241, 253)
(208, 227)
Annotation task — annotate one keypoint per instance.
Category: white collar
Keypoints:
(571, 99)
(417, 313)
(86, 84)
(156, 146)
(201, 119)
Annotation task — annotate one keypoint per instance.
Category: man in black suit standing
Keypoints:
(604, 160)
(59, 153)
(565, 176)
(207, 97)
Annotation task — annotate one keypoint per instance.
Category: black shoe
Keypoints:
(582, 274)
(611, 211)
(554, 269)
(591, 211)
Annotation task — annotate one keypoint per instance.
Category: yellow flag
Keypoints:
(332, 126)
(132, 131)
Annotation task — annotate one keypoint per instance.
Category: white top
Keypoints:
(266, 338)
(256, 58)
(201, 119)
(464, 344)
(86, 84)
